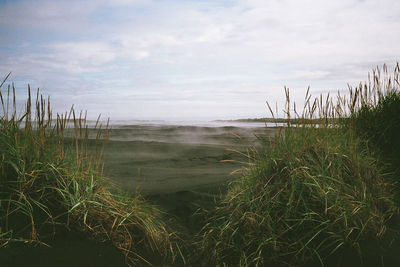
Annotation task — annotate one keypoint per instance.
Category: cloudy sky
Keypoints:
(192, 59)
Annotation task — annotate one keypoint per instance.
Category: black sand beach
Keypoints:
(154, 159)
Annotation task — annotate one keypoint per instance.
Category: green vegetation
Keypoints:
(379, 124)
(318, 194)
(51, 183)
(324, 191)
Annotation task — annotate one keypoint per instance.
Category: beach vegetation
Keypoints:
(52, 182)
(318, 194)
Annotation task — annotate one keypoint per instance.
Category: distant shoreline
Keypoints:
(236, 123)
(280, 120)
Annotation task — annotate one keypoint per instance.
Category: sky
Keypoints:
(192, 60)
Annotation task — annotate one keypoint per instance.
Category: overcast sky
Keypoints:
(187, 59)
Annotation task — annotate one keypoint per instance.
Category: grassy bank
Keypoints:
(52, 184)
(321, 194)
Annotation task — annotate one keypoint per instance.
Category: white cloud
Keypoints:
(125, 2)
(237, 46)
(83, 56)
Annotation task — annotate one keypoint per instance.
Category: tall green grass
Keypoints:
(317, 194)
(51, 178)
(378, 122)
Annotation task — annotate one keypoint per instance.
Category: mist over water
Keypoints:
(190, 132)
(155, 156)
(215, 123)
(126, 123)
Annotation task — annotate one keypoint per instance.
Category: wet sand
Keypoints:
(154, 159)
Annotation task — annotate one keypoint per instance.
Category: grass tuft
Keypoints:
(317, 194)
(51, 179)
